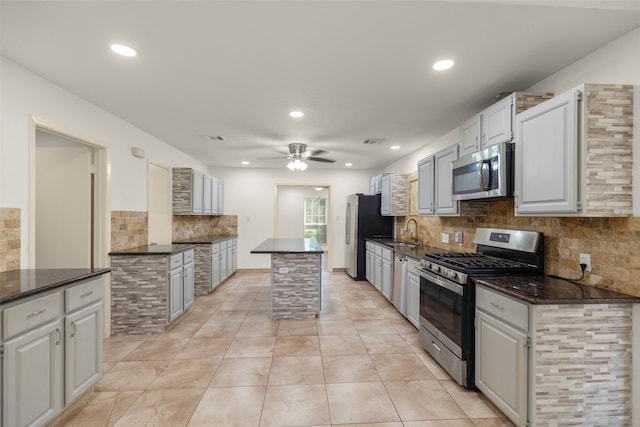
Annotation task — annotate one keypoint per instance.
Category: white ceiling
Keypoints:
(358, 69)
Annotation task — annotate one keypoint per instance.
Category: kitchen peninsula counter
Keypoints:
(296, 276)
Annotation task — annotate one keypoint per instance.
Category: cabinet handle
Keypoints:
(437, 347)
(73, 329)
(86, 294)
(35, 313)
(498, 306)
(58, 336)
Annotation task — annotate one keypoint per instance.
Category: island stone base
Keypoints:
(295, 285)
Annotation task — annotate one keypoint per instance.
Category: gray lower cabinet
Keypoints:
(379, 268)
(387, 273)
(369, 262)
(215, 265)
(223, 260)
(52, 352)
(181, 283)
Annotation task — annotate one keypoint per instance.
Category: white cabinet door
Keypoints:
(223, 264)
(444, 203)
(377, 269)
(426, 179)
(501, 366)
(370, 260)
(188, 285)
(413, 298)
(197, 188)
(387, 277)
(215, 270)
(33, 390)
(385, 195)
(83, 348)
(497, 124)
(220, 197)
(470, 135)
(546, 164)
(206, 195)
(234, 255)
(176, 301)
(215, 202)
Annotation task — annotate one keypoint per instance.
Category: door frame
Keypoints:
(169, 189)
(329, 216)
(102, 213)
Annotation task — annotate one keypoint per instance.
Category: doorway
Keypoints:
(159, 209)
(304, 211)
(69, 211)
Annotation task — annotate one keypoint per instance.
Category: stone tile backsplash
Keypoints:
(129, 229)
(614, 243)
(187, 226)
(9, 239)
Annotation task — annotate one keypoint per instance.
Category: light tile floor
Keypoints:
(225, 363)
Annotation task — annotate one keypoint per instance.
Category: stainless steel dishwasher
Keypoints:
(399, 290)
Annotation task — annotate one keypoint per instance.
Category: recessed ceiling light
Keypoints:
(319, 188)
(244, 162)
(395, 147)
(296, 114)
(123, 50)
(348, 164)
(445, 64)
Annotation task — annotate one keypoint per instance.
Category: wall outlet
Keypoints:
(586, 259)
(458, 238)
(445, 237)
(283, 270)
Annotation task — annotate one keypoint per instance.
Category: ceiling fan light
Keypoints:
(291, 166)
(302, 166)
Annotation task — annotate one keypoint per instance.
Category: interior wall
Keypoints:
(24, 94)
(290, 220)
(63, 203)
(255, 205)
(159, 204)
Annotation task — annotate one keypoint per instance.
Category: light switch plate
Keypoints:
(445, 237)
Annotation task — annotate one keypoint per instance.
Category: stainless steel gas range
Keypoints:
(447, 292)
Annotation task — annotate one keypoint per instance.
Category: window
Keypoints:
(315, 219)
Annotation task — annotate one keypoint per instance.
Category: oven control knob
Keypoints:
(453, 275)
(435, 268)
(426, 264)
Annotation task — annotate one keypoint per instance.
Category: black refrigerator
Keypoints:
(363, 220)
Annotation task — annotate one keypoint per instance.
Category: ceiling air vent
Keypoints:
(374, 141)
(212, 137)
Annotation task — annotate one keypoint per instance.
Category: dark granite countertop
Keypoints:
(416, 252)
(288, 246)
(18, 284)
(551, 290)
(208, 239)
(155, 250)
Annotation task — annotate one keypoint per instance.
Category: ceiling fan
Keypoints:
(298, 152)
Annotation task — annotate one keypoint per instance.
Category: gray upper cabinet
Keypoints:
(444, 203)
(393, 197)
(426, 179)
(435, 184)
(569, 161)
(495, 124)
(195, 193)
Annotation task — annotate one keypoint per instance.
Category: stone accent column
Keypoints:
(202, 269)
(139, 294)
(295, 285)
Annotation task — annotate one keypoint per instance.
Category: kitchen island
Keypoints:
(296, 276)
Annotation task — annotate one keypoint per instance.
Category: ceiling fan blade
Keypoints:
(308, 154)
(320, 159)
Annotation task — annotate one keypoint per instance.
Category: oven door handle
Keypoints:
(442, 282)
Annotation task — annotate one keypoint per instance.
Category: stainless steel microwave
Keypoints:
(487, 173)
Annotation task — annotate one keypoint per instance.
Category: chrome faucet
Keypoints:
(406, 227)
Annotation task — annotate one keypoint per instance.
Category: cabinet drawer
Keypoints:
(223, 245)
(83, 294)
(215, 248)
(387, 254)
(502, 307)
(30, 314)
(175, 261)
(188, 256)
(377, 249)
(369, 246)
